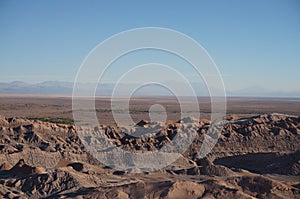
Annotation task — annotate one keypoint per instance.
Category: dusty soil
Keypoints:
(61, 107)
(255, 157)
(257, 154)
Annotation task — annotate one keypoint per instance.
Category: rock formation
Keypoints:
(257, 157)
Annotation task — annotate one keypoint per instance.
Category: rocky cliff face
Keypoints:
(257, 157)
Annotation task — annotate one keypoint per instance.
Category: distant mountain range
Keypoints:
(47, 87)
(66, 88)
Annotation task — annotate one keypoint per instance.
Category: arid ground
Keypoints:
(257, 154)
(39, 106)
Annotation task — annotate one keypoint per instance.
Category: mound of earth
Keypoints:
(22, 169)
(256, 157)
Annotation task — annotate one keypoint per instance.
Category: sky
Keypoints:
(255, 44)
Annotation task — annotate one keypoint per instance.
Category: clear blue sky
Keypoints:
(254, 43)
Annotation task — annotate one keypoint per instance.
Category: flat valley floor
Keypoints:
(38, 106)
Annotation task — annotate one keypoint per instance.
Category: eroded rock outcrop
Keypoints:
(255, 157)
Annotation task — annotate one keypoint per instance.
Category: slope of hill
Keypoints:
(255, 157)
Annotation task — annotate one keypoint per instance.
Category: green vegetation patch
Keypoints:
(56, 120)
